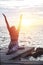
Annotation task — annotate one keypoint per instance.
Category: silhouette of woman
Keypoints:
(14, 34)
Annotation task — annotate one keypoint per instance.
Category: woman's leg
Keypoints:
(13, 46)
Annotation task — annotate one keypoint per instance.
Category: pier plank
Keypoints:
(18, 54)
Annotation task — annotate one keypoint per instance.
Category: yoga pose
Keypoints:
(14, 34)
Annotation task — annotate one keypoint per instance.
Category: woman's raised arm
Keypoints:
(20, 23)
(6, 21)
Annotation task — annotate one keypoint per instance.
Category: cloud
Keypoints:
(20, 3)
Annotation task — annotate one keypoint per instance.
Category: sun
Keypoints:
(26, 22)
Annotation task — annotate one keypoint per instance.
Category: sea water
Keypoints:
(30, 38)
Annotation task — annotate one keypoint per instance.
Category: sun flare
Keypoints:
(26, 22)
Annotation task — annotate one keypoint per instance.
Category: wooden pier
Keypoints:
(15, 58)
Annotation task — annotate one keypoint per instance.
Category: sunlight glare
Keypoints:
(26, 22)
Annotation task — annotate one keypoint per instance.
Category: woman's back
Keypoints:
(13, 33)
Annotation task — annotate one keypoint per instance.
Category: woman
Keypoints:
(14, 34)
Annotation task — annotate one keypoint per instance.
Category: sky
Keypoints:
(32, 11)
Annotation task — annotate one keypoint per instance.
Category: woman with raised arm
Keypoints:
(14, 34)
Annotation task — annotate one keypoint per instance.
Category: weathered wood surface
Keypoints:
(22, 53)
(19, 53)
(22, 63)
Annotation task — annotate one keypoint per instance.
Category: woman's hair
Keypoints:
(13, 28)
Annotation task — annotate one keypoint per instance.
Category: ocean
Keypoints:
(30, 38)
